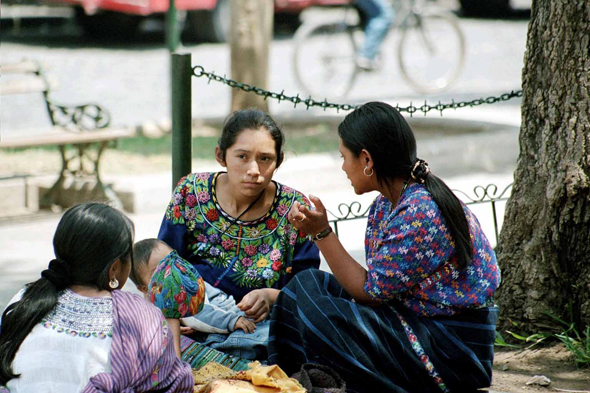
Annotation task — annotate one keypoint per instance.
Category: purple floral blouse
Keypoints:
(411, 258)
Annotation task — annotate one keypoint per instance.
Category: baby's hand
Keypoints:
(187, 331)
(245, 324)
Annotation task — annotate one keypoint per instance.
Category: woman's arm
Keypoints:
(349, 273)
(174, 324)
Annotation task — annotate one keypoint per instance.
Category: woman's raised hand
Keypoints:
(311, 221)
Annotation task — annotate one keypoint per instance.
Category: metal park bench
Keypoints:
(81, 133)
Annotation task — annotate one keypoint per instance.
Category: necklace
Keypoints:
(221, 255)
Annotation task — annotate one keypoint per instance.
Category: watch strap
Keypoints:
(323, 234)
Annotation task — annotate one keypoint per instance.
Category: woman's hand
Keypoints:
(257, 303)
(309, 221)
(246, 325)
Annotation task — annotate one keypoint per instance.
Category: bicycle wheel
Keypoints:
(324, 59)
(431, 51)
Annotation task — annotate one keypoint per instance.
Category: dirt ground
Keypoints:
(514, 368)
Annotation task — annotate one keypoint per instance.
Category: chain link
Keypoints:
(309, 102)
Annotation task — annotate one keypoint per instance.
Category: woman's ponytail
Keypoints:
(20, 318)
(450, 208)
(89, 238)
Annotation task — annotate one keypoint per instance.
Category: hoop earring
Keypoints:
(365, 172)
(114, 283)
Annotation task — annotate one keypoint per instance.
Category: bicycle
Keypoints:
(430, 51)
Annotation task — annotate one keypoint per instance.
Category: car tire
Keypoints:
(108, 24)
(209, 25)
(485, 8)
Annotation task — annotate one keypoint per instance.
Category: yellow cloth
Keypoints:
(215, 378)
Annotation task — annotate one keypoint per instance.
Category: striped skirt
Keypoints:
(387, 349)
(197, 355)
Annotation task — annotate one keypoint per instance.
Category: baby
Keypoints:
(216, 319)
(168, 281)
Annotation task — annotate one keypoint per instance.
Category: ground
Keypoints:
(513, 368)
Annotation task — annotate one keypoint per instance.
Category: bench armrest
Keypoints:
(85, 117)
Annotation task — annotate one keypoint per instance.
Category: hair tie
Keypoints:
(420, 170)
(58, 273)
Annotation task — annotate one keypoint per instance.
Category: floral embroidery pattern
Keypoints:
(80, 316)
(405, 245)
(60, 329)
(259, 253)
(176, 287)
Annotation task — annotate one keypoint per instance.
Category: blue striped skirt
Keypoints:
(386, 349)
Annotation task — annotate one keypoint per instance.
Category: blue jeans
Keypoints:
(379, 14)
(251, 346)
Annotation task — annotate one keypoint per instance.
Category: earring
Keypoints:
(114, 283)
(365, 171)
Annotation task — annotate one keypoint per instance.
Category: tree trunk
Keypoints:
(250, 37)
(544, 247)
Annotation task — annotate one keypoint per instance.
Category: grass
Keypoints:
(141, 154)
(317, 139)
(578, 344)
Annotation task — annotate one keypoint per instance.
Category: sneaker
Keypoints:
(365, 64)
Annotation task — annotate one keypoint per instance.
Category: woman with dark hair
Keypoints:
(232, 226)
(420, 317)
(74, 330)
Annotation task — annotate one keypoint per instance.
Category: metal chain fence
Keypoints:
(309, 102)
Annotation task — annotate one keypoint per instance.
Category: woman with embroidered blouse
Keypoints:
(420, 317)
(233, 227)
(74, 330)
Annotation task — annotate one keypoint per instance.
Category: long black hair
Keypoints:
(250, 119)
(89, 238)
(382, 131)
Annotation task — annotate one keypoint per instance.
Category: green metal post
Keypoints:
(172, 28)
(181, 116)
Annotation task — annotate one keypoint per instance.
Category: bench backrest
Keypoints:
(482, 195)
(31, 79)
(28, 77)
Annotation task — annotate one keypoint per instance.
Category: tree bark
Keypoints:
(250, 37)
(544, 247)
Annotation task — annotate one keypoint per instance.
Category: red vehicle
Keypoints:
(206, 20)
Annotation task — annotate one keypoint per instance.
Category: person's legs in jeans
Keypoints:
(379, 14)
(250, 346)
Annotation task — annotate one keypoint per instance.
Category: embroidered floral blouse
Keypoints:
(410, 257)
(239, 257)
